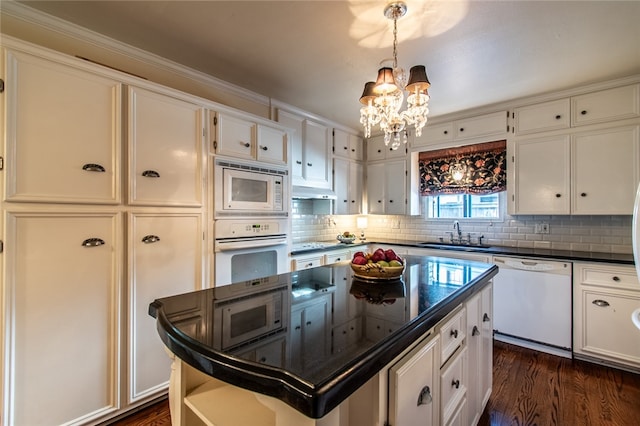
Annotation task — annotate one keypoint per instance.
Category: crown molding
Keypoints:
(68, 29)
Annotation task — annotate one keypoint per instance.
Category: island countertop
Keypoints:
(314, 371)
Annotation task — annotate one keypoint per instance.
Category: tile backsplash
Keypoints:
(605, 234)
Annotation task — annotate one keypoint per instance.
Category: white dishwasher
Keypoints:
(532, 304)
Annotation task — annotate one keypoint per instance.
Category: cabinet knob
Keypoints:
(309, 165)
(558, 117)
(338, 259)
(345, 201)
(446, 132)
(455, 384)
(454, 333)
(298, 162)
(379, 201)
(263, 359)
(601, 303)
(92, 167)
(150, 239)
(151, 174)
(298, 327)
(462, 129)
(485, 318)
(558, 195)
(353, 201)
(353, 150)
(247, 144)
(93, 242)
(344, 147)
(344, 331)
(308, 322)
(583, 194)
(475, 331)
(425, 397)
(264, 148)
(616, 279)
(583, 112)
(379, 151)
(391, 201)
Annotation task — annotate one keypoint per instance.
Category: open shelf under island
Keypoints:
(322, 347)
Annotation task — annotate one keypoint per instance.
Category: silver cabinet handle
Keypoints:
(93, 242)
(485, 318)
(601, 303)
(151, 174)
(91, 167)
(150, 239)
(475, 331)
(454, 333)
(425, 396)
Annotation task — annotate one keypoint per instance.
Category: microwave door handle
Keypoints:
(238, 245)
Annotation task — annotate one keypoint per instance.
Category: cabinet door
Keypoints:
(375, 188)
(414, 396)
(542, 176)
(341, 145)
(486, 349)
(542, 117)
(317, 151)
(296, 123)
(272, 145)
(236, 137)
(475, 365)
(165, 150)
(605, 170)
(453, 388)
(434, 134)
(70, 156)
(356, 148)
(606, 105)
(355, 188)
(376, 150)
(165, 259)
(395, 187)
(481, 126)
(341, 173)
(63, 357)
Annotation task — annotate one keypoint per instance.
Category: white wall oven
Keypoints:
(250, 190)
(248, 250)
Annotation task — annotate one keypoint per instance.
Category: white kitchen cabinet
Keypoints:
(165, 150)
(414, 386)
(242, 137)
(453, 390)
(378, 151)
(64, 282)
(594, 172)
(386, 187)
(309, 323)
(452, 334)
(540, 175)
(347, 145)
(606, 105)
(482, 127)
(296, 123)
(63, 132)
(347, 184)
(605, 170)
(165, 259)
(271, 352)
(604, 296)
(546, 116)
(299, 263)
(336, 256)
(434, 134)
(480, 352)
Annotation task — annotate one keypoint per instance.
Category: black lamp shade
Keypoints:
(385, 83)
(418, 80)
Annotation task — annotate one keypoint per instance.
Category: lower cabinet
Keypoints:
(604, 297)
(308, 324)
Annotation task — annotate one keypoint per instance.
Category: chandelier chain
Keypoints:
(395, 42)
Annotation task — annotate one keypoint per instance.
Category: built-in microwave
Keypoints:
(247, 189)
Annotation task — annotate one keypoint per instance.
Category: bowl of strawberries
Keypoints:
(380, 265)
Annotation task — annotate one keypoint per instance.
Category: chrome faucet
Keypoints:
(456, 226)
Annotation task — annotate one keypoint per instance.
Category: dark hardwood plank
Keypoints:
(530, 388)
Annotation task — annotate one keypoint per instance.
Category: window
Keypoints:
(485, 206)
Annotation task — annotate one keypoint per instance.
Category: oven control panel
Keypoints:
(241, 228)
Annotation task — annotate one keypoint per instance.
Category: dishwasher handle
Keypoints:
(530, 265)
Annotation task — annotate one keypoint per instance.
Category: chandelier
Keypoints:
(383, 98)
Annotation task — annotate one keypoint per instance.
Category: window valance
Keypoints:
(473, 169)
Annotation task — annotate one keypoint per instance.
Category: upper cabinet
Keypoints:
(241, 137)
(377, 150)
(71, 156)
(347, 145)
(165, 150)
(310, 151)
(486, 126)
(603, 106)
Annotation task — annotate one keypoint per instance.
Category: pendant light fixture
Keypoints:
(383, 98)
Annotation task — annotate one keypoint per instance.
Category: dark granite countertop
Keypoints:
(567, 255)
(316, 372)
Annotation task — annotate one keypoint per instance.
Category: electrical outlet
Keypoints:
(542, 228)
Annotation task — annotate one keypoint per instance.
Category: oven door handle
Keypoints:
(250, 243)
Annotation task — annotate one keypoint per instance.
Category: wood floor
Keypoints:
(529, 389)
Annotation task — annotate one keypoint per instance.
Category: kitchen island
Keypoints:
(313, 344)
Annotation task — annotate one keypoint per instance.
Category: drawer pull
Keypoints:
(298, 162)
(309, 164)
(247, 144)
(601, 303)
(298, 327)
(150, 239)
(93, 242)
(475, 331)
(455, 384)
(558, 117)
(583, 112)
(558, 195)
(151, 174)
(425, 396)
(263, 359)
(454, 333)
(616, 279)
(485, 318)
(264, 148)
(91, 167)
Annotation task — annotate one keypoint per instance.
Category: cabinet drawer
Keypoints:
(484, 125)
(546, 116)
(608, 276)
(306, 263)
(434, 134)
(335, 257)
(453, 385)
(452, 334)
(606, 105)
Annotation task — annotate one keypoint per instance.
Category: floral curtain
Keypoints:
(473, 169)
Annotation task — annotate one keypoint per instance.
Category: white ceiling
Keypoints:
(317, 55)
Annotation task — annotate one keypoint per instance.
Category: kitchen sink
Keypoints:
(450, 246)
